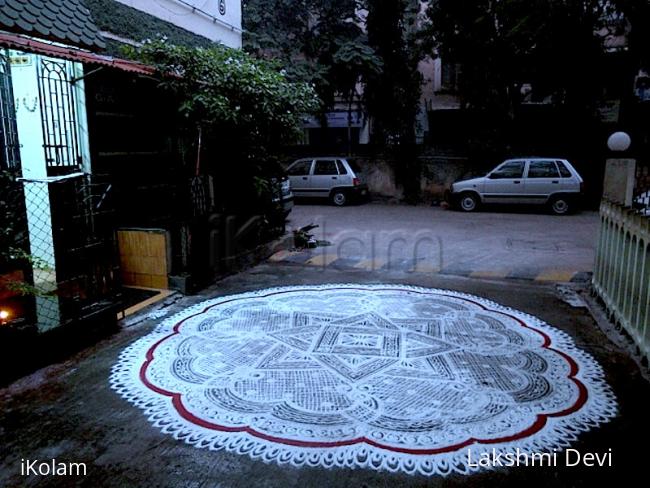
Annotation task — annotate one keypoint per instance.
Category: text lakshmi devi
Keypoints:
(517, 457)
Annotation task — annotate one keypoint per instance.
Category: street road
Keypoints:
(490, 244)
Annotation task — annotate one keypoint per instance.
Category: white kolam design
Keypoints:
(389, 377)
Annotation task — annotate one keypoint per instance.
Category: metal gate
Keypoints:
(71, 228)
(9, 148)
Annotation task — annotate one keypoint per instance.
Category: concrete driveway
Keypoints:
(533, 246)
(69, 412)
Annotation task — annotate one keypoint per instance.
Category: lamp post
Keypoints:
(618, 184)
(619, 142)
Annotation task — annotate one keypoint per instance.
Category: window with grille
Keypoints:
(58, 114)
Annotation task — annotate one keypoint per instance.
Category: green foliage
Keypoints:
(323, 42)
(228, 92)
(353, 63)
(18, 255)
(19, 258)
(554, 45)
(634, 15)
(14, 253)
(245, 109)
(275, 28)
(317, 41)
(12, 217)
(393, 94)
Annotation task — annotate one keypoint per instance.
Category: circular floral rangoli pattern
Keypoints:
(381, 376)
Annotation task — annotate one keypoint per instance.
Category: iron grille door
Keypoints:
(9, 148)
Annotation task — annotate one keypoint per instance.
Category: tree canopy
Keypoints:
(317, 41)
(554, 45)
(534, 74)
(339, 46)
(393, 93)
(233, 97)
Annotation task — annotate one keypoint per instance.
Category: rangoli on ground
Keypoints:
(387, 377)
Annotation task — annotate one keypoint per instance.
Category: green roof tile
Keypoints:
(64, 21)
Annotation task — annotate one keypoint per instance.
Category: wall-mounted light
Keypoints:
(4, 315)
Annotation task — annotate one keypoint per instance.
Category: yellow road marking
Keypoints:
(279, 256)
(489, 273)
(555, 275)
(322, 260)
(425, 267)
(371, 264)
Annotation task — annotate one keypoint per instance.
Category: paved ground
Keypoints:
(533, 246)
(69, 412)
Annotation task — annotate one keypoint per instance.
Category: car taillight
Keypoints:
(355, 181)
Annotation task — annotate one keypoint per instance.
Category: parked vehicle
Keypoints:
(329, 177)
(281, 193)
(545, 181)
(273, 196)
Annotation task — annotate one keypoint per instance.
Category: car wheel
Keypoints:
(468, 202)
(339, 198)
(560, 205)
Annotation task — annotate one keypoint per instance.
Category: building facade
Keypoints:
(45, 146)
(61, 86)
(217, 20)
(181, 22)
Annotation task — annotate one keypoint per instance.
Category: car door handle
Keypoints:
(517, 182)
(304, 177)
(555, 182)
(334, 177)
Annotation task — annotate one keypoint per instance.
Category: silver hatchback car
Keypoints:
(546, 181)
(335, 178)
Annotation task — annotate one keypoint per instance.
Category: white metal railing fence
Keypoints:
(622, 270)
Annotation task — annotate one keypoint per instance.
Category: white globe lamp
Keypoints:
(619, 141)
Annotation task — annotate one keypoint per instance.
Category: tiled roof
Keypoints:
(65, 21)
(22, 43)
